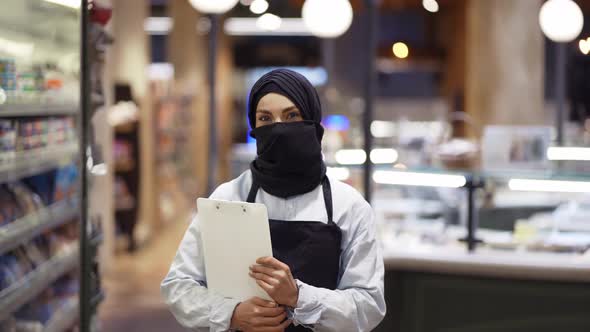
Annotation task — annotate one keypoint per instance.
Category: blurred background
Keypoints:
(465, 124)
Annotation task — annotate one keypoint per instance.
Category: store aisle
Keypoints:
(133, 302)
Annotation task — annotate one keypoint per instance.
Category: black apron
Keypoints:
(311, 249)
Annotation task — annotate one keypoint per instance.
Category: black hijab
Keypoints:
(291, 85)
(289, 157)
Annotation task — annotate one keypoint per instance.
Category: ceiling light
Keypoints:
(568, 153)
(258, 6)
(383, 156)
(350, 157)
(561, 20)
(381, 129)
(268, 22)
(247, 26)
(213, 6)
(419, 179)
(400, 50)
(430, 5)
(327, 19)
(549, 185)
(585, 46)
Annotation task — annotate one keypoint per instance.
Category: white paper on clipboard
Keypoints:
(234, 235)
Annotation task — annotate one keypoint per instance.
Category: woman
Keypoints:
(327, 269)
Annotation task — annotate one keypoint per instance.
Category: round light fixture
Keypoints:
(561, 20)
(213, 6)
(258, 6)
(430, 5)
(585, 46)
(268, 22)
(400, 50)
(327, 19)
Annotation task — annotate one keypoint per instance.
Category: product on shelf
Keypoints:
(28, 201)
(9, 208)
(37, 84)
(30, 134)
(66, 182)
(35, 251)
(26, 259)
(8, 80)
(41, 310)
(8, 130)
(18, 199)
(42, 184)
(31, 80)
(10, 271)
(61, 130)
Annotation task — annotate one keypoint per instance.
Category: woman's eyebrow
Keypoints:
(290, 108)
(263, 111)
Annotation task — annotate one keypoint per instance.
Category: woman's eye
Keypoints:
(264, 118)
(293, 115)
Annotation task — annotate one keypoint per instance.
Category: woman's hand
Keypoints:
(276, 279)
(258, 315)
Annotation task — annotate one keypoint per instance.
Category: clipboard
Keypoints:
(234, 235)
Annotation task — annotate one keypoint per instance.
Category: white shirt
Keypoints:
(356, 305)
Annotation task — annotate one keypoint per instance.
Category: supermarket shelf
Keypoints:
(26, 228)
(29, 287)
(65, 317)
(34, 162)
(27, 110)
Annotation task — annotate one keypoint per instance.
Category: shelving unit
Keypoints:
(48, 92)
(26, 289)
(34, 162)
(65, 317)
(26, 228)
(33, 110)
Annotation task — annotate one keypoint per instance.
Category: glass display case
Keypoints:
(506, 180)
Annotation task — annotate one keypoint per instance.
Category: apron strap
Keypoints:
(325, 187)
(253, 191)
(328, 198)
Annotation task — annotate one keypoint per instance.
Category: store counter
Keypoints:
(492, 263)
(446, 288)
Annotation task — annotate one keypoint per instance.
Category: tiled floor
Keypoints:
(133, 302)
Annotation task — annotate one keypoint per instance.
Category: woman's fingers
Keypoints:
(272, 262)
(271, 312)
(270, 320)
(262, 269)
(269, 289)
(264, 303)
(264, 277)
(275, 273)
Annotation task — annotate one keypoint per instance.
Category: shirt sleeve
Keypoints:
(358, 303)
(185, 289)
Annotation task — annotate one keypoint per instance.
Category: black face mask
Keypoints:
(289, 158)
